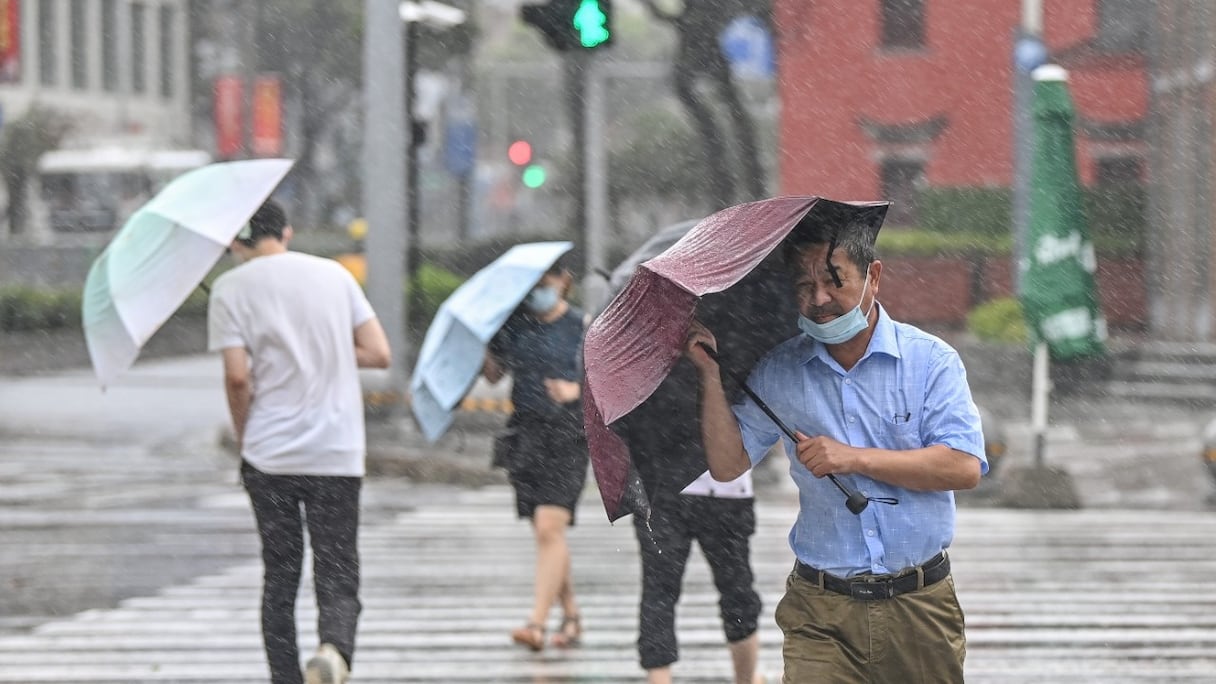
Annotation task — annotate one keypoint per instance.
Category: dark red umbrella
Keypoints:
(633, 345)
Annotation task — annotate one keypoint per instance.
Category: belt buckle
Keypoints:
(871, 591)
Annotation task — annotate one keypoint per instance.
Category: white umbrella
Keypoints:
(163, 252)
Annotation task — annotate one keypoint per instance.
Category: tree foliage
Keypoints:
(316, 48)
(661, 159)
(698, 55)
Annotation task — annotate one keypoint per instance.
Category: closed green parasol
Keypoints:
(1058, 293)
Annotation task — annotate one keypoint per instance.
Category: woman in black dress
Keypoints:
(541, 347)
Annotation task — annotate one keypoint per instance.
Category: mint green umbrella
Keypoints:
(1058, 294)
(162, 253)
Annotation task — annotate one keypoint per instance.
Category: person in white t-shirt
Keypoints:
(293, 330)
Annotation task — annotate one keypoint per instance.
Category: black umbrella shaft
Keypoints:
(767, 411)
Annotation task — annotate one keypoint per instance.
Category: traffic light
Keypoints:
(520, 154)
(572, 24)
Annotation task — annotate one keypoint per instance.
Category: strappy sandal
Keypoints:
(530, 635)
(570, 634)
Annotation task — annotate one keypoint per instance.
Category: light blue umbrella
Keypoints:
(455, 344)
(162, 253)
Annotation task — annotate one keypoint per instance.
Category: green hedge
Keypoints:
(435, 284)
(24, 308)
(974, 211)
(998, 320)
(27, 308)
(982, 217)
(914, 242)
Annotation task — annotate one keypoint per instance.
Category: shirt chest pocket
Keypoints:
(900, 423)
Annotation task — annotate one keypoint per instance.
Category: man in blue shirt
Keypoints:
(885, 408)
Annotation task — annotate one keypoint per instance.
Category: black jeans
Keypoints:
(722, 528)
(330, 506)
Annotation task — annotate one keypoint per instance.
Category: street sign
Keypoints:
(748, 46)
(460, 147)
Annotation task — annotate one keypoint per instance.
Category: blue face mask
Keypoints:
(541, 299)
(840, 329)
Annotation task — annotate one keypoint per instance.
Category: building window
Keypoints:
(109, 46)
(139, 49)
(167, 61)
(903, 24)
(901, 179)
(1123, 25)
(1118, 171)
(80, 45)
(1118, 204)
(46, 42)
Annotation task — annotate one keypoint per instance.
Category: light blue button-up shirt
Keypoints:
(908, 391)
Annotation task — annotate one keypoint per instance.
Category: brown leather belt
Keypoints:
(877, 587)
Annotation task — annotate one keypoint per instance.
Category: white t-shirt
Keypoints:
(296, 315)
(738, 488)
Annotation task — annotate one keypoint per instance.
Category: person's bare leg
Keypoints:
(659, 675)
(565, 595)
(745, 656)
(552, 559)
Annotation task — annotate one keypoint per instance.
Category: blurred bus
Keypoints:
(94, 191)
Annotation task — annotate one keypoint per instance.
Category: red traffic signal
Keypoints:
(520, 152)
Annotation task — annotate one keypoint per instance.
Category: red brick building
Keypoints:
(882, 96)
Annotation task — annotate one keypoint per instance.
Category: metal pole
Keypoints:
(250, 67)
(575, 64)
(1040, 395)
(1028, 36)
(412, 255)
(596, 189)
(384, 175)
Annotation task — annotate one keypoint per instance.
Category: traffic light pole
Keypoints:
(574, 66)
(595, 187)
(413, 255)
(575, 28)
(384, 177)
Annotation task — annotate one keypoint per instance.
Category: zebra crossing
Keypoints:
(1050, 596)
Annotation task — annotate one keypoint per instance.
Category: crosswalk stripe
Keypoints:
(1083, 596)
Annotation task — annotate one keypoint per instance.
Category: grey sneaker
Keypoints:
(326, 667)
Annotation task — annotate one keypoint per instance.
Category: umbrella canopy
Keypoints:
(663, 434)
(1058, 293)
(632, 347)
(455, 344)
(654, 246)
(163, 252)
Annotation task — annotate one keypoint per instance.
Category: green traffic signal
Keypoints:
(592, 24)
(534, 176)
(571, 24)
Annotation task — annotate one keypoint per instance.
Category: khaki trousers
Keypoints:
(914, 638)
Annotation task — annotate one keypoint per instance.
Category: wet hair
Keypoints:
(559, 268)
(853, 233)
(268, 221)
(857, 246)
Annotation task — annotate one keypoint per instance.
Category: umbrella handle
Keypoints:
(855, 501)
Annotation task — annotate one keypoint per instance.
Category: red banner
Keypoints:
(229, 117)
(10, 41)
(267, 117)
